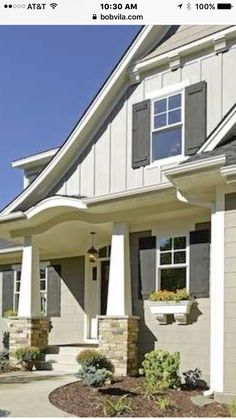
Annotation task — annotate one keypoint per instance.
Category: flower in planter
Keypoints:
(164, 295)
(27, 357)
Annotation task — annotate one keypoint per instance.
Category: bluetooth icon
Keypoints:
(189, 6)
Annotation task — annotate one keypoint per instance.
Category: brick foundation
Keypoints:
(27, 332)
(118, 340)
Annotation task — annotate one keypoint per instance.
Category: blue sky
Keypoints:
(49, 75)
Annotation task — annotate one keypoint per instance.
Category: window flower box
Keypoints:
(164, 303)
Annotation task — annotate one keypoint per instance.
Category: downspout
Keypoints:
(188, 200)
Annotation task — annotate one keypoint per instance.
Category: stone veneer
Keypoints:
(25, 332)
(118, 340)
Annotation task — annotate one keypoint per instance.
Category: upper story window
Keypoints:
(167, 123)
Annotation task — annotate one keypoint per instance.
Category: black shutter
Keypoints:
(147, 254)
(195, 116)
(141, 134)
(7, 290)
(54, 291)
(199, 263)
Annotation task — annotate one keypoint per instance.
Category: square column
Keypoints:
(29, 300)
(118, 330)
(119, 290)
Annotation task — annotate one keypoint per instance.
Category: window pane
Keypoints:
(166, 143)
(42, 285)
(179, 257)
(18, 275)
(16, 302)
(173, 279)
(175, 101)
(165, 259)
(180, 243)
(160, 106)
(17, 286)
(42, 273)
(174, 116)
(160, 121)
(165, 244)
(43, 304)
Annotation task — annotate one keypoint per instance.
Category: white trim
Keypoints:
(150, 63)
(220, 132)
(11, 250)
(217, 295)
(31, 161)
(117, 75)
(168, 90)
(228, 170)
(12, 217)
(196, 165)
(55, 202)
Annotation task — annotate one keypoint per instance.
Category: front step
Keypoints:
(63, 357)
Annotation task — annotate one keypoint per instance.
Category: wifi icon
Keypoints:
(53, 5)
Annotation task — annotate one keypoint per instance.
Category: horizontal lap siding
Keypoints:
(106, 165)
(230, 302)
(185, 339)
(69, 327)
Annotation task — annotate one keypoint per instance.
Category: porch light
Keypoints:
(92, 252)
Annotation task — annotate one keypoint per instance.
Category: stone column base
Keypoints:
(118, 340)
(25, 332)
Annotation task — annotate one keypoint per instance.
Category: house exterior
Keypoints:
(151, 169)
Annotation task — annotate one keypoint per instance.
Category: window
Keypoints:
(172, 263)
(43, 289)
(167, 127)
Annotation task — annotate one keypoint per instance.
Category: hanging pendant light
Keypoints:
(92, 252)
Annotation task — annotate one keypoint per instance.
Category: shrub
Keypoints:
(9, 313)
(163, 404)
(5, 340)
(92, 358)
(161, 370)
(95, 377)
(178, 295)
(117, 408)
(28, 356)
(193, 378)
(232, 409)
(4, 360)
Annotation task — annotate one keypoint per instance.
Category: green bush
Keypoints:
(232, 409)
(9, 313)
(161, 370)
(95, 377)
(28, 356)
(163, 404)
(118, 408)
(4, 360)
(92, 358)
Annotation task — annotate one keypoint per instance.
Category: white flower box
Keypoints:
(179, 309)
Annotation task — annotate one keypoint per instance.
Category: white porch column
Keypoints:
(29, 300)
(217, 294)
(119, 291)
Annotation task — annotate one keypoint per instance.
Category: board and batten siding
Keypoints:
(230, 295)
(69, 327)
(105, 167)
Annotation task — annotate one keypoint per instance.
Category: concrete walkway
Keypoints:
(25, 394)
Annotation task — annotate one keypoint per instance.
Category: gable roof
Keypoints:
(144, 41)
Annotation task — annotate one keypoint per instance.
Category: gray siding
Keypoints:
(105, 166)
(185, 339)
(230, 297)
(69, 327)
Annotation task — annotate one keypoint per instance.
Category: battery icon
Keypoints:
(224, 6)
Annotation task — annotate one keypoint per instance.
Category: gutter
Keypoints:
(11, 250)
(15, 216)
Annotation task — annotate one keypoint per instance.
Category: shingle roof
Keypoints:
(6, 244)
(229, 149)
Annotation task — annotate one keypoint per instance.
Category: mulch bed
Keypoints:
(82, 401)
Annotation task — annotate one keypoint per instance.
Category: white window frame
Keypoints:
(178, 157)
(172, 266)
